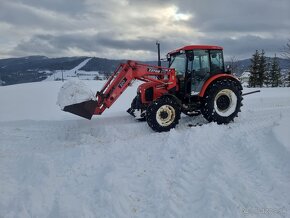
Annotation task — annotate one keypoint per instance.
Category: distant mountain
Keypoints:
(102, 65)
(38, 68)
(107, 66)
(33, 68)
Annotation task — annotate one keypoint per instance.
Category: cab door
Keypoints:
(199, 68)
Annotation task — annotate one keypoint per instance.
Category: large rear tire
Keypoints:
(222, 101)
(163, 114)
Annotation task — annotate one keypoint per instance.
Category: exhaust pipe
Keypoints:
(158, 50)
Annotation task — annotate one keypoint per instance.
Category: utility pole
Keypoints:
(158, 49)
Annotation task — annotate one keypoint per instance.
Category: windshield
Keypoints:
(178, 63)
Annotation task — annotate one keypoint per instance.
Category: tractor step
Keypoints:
(195, 125)
(137, 114)
(131, 112)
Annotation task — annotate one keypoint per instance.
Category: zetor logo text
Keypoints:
(156, 70)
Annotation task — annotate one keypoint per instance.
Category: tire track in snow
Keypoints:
(260, 184)
(199, 170)
(189, 191)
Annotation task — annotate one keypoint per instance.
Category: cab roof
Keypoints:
(196, 47)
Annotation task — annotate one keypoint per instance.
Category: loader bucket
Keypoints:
(84, 109)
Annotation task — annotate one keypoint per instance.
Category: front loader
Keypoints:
(194, 83)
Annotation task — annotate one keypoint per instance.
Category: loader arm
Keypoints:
(124, 75)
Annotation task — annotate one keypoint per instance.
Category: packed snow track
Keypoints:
(54, 164)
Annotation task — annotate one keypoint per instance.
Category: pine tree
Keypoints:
(267, 76)
(275, 73)
(262, 69)
(254, 69)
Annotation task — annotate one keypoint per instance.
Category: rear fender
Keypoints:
(218, 77)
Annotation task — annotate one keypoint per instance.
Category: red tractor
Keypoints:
(194, 83)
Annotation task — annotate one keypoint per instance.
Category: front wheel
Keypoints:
(222, 101)
(163, 114)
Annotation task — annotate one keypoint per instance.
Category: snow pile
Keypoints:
(54, 164)
(73, 92)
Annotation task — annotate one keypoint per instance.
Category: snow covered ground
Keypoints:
(54, 164)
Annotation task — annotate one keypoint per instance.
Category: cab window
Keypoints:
(178, 63)
(201, 61)
(216, 60)
(201, 69)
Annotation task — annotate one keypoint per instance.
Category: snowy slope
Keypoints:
(54, 164)
(75, 72)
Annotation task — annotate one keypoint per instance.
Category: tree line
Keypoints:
(263, 73)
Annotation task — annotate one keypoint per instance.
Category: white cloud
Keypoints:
(129, 29)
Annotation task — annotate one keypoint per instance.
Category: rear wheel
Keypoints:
(222, 101)
(163, 114)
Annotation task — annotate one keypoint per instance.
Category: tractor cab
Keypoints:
(194, 65)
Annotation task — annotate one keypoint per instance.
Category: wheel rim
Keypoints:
(225, 102)
(165, 115)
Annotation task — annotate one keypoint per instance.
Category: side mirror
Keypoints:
(228, 69)
(168, 57)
